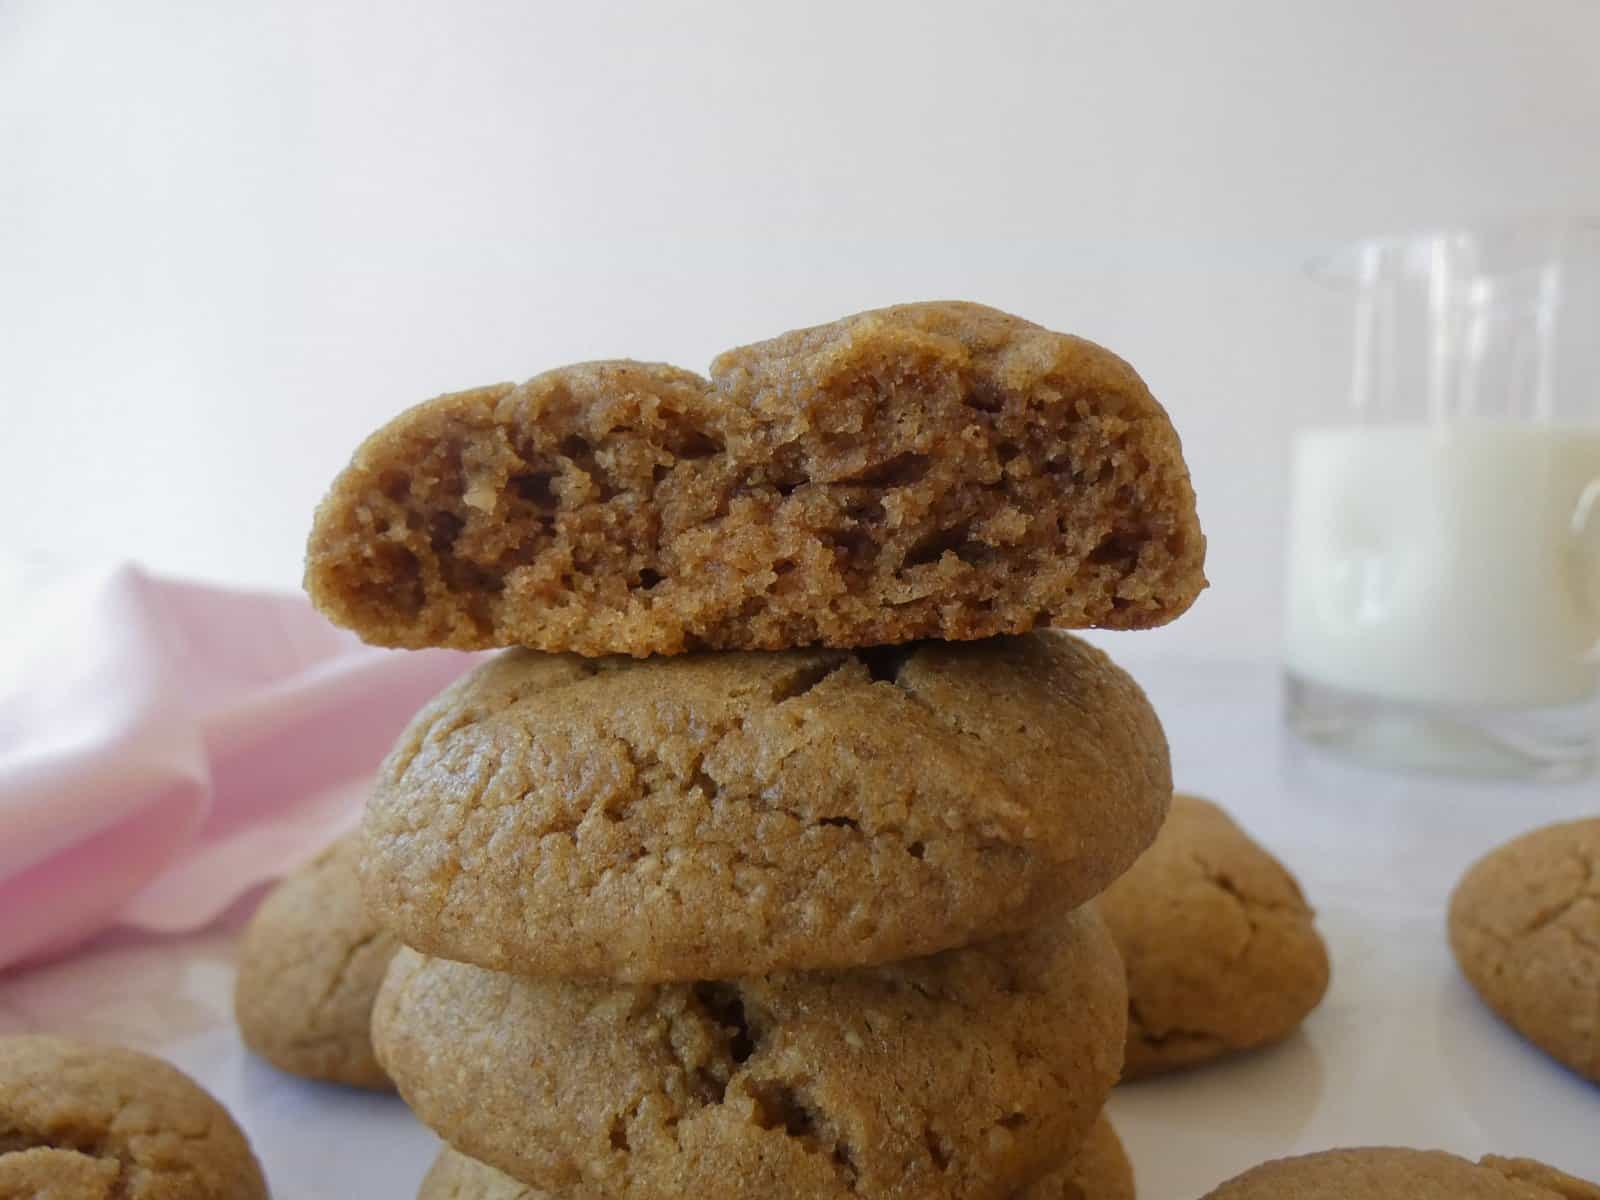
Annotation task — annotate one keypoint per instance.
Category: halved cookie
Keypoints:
(928, 471)
(966, 1074)
(718, 815)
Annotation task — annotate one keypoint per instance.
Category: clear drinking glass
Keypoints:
(1443, 591)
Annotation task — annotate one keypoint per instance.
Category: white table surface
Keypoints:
(1400, 1052)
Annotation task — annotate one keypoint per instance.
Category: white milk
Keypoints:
(1448, 563)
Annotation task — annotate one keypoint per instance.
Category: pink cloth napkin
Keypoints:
(166, 746)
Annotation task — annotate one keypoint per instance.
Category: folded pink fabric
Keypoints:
(166, 746)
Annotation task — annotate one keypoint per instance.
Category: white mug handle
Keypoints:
(1585, 552)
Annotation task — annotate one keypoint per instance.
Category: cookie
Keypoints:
(720, 815)
(82, 1122)
(310, 963)
(44, 1174)
(1218, 941)
(927, 471)
(1099, 1171)
(1383, 1171)
(966, 1074)
(1525, 928)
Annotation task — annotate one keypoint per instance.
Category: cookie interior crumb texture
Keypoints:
(1220, 946)
(1525, 928)
(937, 470)
(1387, 1171)
(717, 815)
(85, 1122)
(967, 1074)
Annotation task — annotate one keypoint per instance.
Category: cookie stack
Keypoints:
(760, 865)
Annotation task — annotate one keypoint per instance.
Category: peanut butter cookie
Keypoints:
(1099, 1171)
(1525, 928)
(82, 1122)
(1218, 941)
(720, 815)
(966, 1074)
(1383, 1171)
(928, 471)
(310, 964)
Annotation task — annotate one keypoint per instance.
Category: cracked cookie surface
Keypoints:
(715, 815)
(310, 963)
(1387, 1171)
(935, 470)
(1219, 944)
(966, 1074)
(82, 1122)
(1098, 1171)
(1525, 928)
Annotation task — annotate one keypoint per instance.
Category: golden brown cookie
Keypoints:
(721, 815)
(1099, 1171)
(310, 964)
(44, 1174)
(1218, 941)
(965, 1074)
(82, 1122)
(1386, 1171)
(1525, 928)
(927, 471)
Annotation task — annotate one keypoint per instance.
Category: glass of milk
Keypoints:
(1443, 590)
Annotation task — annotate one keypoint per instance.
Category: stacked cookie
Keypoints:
(793, 901)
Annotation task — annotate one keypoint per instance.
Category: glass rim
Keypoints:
(1339, 267)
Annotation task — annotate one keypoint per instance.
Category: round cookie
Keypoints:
(720, 815)
(1218, 942)
(44, 1174)
(1099, 1171)
(935, 470)
(1385, 1171)
(966, 1074)
(310, 963)
(84, 1122)
(1525, 928)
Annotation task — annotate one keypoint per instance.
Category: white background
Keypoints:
(236, 237)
